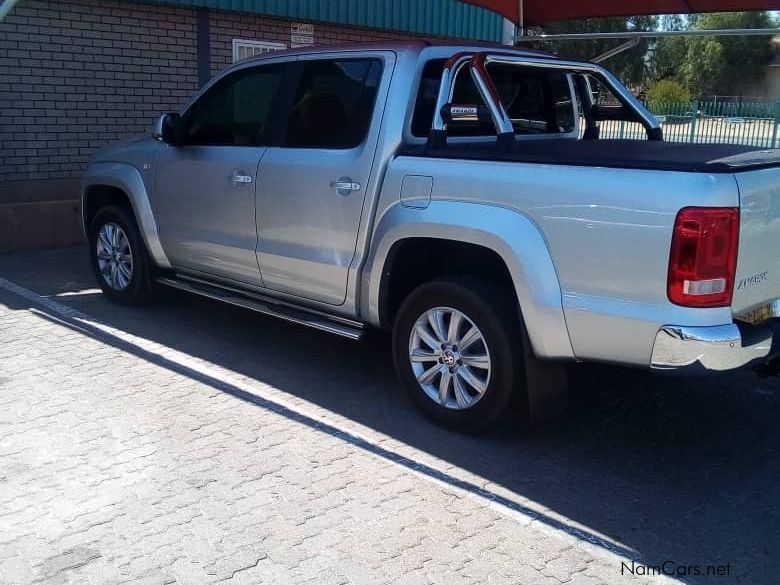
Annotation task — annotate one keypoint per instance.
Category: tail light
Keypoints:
(703, 259)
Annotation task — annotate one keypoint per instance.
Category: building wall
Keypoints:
(226, 26)
(81, 74)
(78, 75)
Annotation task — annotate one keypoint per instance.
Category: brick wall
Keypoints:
(80, 74)
(77, 75)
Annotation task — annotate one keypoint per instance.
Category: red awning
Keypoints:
(541, 11)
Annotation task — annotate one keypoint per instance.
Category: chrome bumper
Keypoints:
(701, 350)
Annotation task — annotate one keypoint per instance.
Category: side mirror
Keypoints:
(166, 128)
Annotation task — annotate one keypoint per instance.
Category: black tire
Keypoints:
(494, 312)
(138, 288)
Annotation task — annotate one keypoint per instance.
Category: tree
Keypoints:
(630, 66)
(667, 91)
(667, 53)
(728, 65)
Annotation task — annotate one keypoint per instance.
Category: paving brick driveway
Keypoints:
(189, 442)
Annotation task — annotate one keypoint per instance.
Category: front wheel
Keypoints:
(457, 347)
(119, 258)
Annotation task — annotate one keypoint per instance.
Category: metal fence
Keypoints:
(748, 123)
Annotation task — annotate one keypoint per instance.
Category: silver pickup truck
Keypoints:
(461, 197)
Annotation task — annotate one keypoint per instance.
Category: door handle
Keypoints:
(345, 185)
(239, 178)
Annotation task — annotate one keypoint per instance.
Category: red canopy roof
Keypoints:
(539, 11)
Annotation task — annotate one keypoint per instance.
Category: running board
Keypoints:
(336, 325)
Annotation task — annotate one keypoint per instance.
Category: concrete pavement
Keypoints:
(191, 442)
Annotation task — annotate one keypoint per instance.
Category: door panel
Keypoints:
(307, 230)
(207, 210)
(205, 186)
(311, 189)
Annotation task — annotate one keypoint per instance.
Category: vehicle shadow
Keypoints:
(677, 470)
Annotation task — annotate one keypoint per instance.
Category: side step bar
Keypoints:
(254, 302)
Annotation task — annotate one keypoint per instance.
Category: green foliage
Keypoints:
(666, 91)
(667, 53)
(729, 65)
(724, 65)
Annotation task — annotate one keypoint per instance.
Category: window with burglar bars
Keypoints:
(243, 49)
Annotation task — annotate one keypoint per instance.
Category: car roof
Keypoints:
(414, 46)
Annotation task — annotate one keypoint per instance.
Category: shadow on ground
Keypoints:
(678, 470)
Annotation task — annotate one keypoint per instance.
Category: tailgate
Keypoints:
(758, 264)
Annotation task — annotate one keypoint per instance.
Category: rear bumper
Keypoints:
(702, 350)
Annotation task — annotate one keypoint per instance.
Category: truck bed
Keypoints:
(624, 154)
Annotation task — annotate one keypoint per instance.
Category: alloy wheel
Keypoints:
(114, 256)
(450, 358)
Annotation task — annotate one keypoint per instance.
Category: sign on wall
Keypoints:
(301, 34)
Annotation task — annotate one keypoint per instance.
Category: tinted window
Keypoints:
(333, 103)
(536, 101)
(236, 110)
(601, 94)
(465, 93)
(422, 118)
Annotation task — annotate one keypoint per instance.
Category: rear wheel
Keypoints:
(457, 346)
(119, 258)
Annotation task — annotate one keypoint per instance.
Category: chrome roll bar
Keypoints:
(487, 89)
(477, 64)
(448, 75)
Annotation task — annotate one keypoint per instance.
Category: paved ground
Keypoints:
(189, 442)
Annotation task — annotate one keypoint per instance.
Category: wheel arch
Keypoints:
(414, 260)
(510, 242)
(110, 183)
(98, 196)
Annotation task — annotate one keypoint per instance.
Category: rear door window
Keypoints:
(333, 103)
